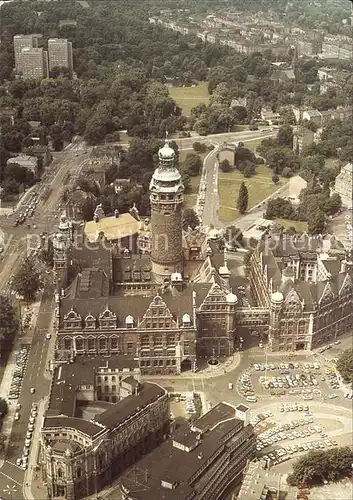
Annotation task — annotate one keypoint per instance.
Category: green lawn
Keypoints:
(252, 144)
(189, 97)
(260, 186)
(331, 162)
(67, 22)
(300, 226)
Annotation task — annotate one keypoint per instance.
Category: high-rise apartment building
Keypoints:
(60, 53)
(34, 63)
(22, 42)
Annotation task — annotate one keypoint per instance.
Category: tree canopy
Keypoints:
(9, 324)
(317, 466)
(190, 219)
(243, 199)
(345, 365)
(28, 281)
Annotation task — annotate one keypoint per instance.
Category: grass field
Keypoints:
(188, 97)
(331, 162)
(260, 186)
(67, 22)
(300, 226)
(252, 144)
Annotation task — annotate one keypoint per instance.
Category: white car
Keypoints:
(48, 336)
(28, 442)
(32, 390)
(17, 416)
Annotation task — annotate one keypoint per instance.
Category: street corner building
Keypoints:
(199, 462)
(306, 284)
(87, 443)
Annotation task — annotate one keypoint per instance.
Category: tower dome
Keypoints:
(277, 297)
(166, 152)
(231, 298)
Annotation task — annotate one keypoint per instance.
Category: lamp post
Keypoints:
(10, 490)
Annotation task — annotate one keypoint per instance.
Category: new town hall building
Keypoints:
(179, 301)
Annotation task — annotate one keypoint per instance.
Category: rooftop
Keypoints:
(168, 470)
(118, 413)
(112, 227)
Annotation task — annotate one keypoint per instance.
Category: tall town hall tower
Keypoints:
(166, 197)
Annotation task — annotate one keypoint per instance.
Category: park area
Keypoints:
(260, 186)
(189, 97)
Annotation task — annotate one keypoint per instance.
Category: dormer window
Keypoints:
(186, 320)
(129, 322)
(90, 322)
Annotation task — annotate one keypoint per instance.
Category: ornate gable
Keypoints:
(215, 295)
(107, 319)
(158, 315)
(292, 302)
(72, 319)
(327, 296)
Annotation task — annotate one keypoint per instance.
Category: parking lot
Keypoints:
(291, 429)
(308, 381)
(19, 372)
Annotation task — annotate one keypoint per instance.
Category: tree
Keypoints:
(3, 408)
(275, 178)
(243, 199)
(285, 136)
(8, 325)
(225, 166)
(333, 204)
(190, 219)
(345, 365)
(249, 169)
(279, 208)
(28, 280)
(287, 172)
(317, 223)
(318, 466)
(192, 164)
(199, 147)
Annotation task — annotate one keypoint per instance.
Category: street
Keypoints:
(15, 239)
(10, 473)
(209, 178)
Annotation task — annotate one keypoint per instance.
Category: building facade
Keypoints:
(343, 185)
(34, 63)
(306, 284)
(21, 42)
(28, 162)
(60, 54)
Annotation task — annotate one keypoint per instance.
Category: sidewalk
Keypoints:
(32, 481)
(226, 366)
(4, 392)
